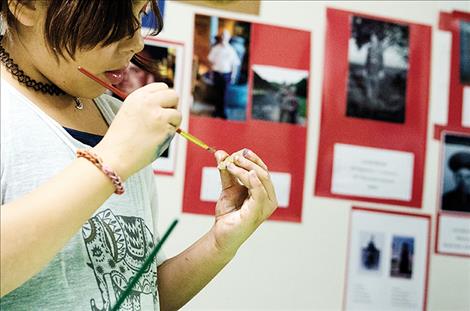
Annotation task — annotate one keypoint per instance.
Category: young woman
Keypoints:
(68, 242)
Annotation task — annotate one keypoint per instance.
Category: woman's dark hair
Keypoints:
(83, 24)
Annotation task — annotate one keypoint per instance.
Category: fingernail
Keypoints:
(246, 152)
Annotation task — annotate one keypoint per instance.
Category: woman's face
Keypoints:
(108, 62)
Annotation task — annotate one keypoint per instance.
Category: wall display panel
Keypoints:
(249, 89)
(388, 259)
(458, 24)
(167, 58)
(453, 210)
(374, 109)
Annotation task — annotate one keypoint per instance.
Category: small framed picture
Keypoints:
(388, 257)
(166, 59)
(455, 173)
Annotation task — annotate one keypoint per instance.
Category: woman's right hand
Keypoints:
(144, 125)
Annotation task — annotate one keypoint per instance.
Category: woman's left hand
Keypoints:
(247, 199)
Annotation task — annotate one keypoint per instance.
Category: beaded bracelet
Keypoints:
(96, 160)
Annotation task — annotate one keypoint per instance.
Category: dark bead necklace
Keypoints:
(19, 74)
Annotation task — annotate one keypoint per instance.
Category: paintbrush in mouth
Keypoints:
(123, 96)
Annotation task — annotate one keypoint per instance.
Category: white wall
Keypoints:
(287, 266)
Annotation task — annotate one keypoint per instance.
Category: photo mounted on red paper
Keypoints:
(167, 60)
(388, 261)
(248, 91)
(458, 105)
(453, 210)
(374, 109)
(279, 94)
(220, 62)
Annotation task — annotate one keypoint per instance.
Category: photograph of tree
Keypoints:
(378, 68)
(279, 94)
(465, 52)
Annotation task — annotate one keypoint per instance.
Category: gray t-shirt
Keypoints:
(96, 265)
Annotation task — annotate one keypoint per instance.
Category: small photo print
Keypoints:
(279, 94)
(163, 61)
(378, 70)
(371, 252)
(465, 52)
(402, 257)
(455, 172)
(220, 68)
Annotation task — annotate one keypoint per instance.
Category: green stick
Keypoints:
(144, 267)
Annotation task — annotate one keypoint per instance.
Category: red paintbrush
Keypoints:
(123, 96)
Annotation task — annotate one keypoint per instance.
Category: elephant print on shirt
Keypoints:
(117, 246)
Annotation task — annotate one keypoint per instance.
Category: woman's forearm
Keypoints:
(180, 278)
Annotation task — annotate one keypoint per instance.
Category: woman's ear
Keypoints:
(25, 13)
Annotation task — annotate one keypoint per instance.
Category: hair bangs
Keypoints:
(85, 24)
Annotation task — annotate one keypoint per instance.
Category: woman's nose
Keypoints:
(135, 44)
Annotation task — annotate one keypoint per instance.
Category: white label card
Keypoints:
(211, 186)
(466, 107)
(454, 235)
(372, 172)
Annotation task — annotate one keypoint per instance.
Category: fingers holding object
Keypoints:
(261, 173)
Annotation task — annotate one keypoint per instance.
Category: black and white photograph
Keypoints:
(279, 94)
(220, 68)
(455, 172)
(465, 52)
(378, 68)
(401, 265)
(372, 249)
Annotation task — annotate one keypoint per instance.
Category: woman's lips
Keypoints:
(115, 76)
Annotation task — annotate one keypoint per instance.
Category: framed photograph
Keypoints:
(220, 68)
(279, 94)
(376, 81)
(167, 60)
(455, 168)
(388, 260)
(378, 70)
(453, 210)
